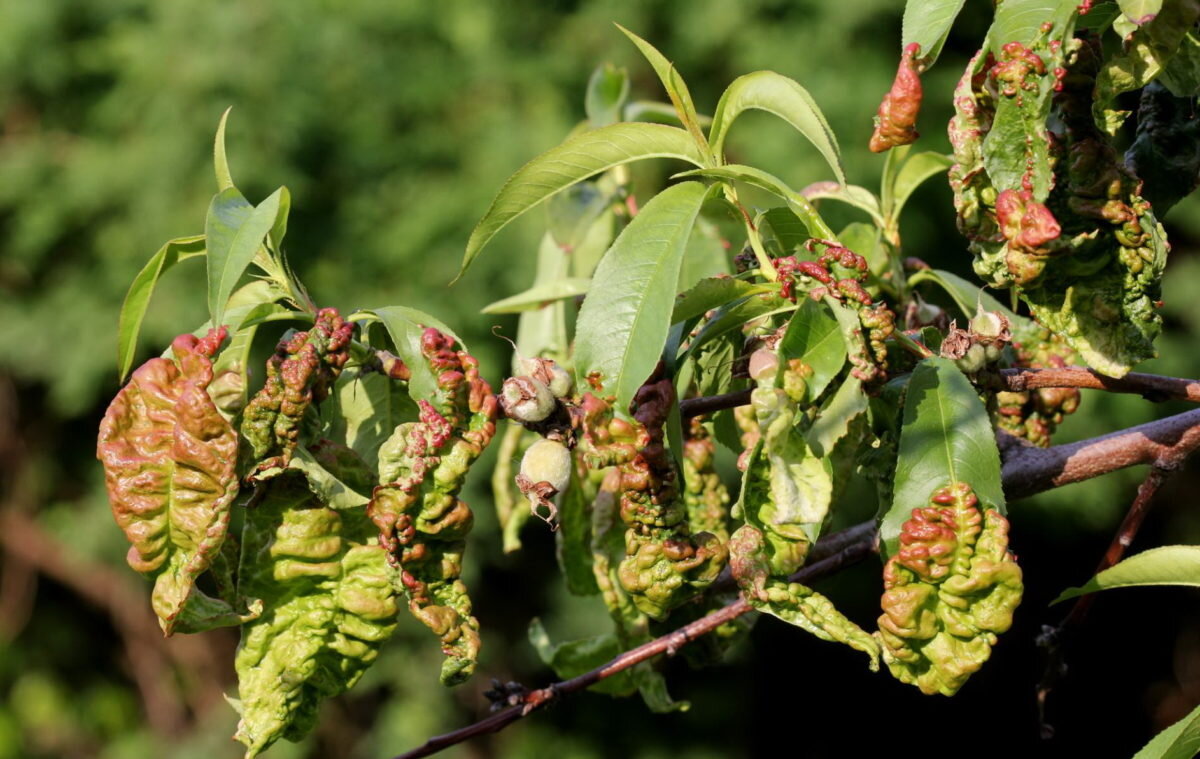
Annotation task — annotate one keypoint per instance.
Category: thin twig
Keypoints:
(667, 644)
(1150, 386)
(1153, 387)
(1056, 639)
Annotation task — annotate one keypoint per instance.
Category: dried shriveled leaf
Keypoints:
(169, 464)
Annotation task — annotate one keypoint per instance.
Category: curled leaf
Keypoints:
(301, 372)
(169, 465)
(896, 120)
(949, 591)
(421, 520)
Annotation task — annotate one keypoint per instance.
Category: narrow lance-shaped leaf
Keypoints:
(169, 465)
(234, 233)
(607, 91)
(137, 300)
(969, 297)
(946, 438)
(220, 161)
(913, 172)
(798, 204)
(1179, 741)
(927, 23)
(814, 337)
(578, 158)
(785, 98)
(1167, 565)
(624, 320)
(539, 295)
(676, 88)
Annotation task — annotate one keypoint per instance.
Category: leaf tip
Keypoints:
(220, 162)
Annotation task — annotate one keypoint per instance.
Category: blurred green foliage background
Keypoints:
(393, 123)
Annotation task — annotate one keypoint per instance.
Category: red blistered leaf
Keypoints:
(170, 468)
(896, 120)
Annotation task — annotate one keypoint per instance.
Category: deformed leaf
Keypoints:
(330, 601)
(169, 465)
(406, 326)
(1166, 565)
(949, 591)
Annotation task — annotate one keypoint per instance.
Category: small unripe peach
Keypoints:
(547, 461)
(525, 399)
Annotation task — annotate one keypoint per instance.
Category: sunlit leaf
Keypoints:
(1167, 565)
(137, 300)
(578, 158)
(624, 320)
(785, 98)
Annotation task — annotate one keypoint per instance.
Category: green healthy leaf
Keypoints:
(927, 23)
(655, 112)
(573, 541)
(969, 296)
(779, 226)
(815, 337)
(234, 232)
(576, 159)
(714, 292)
(1140, 12)
(324, 484)
(706, 256)
(911, 175)
(137, 300)
(279, 228)
(220, 162)
(785, 98)
(946, 438)
(833, 422)
(539, 295)
(606, 93)
(1179, 741)
(798, 204)
(624, 320)
(676, 88)
(405, 326)
(364, 410)
(543, 332)
(571, 213)
(734, 315)
(851, 194)
(1167, 565)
